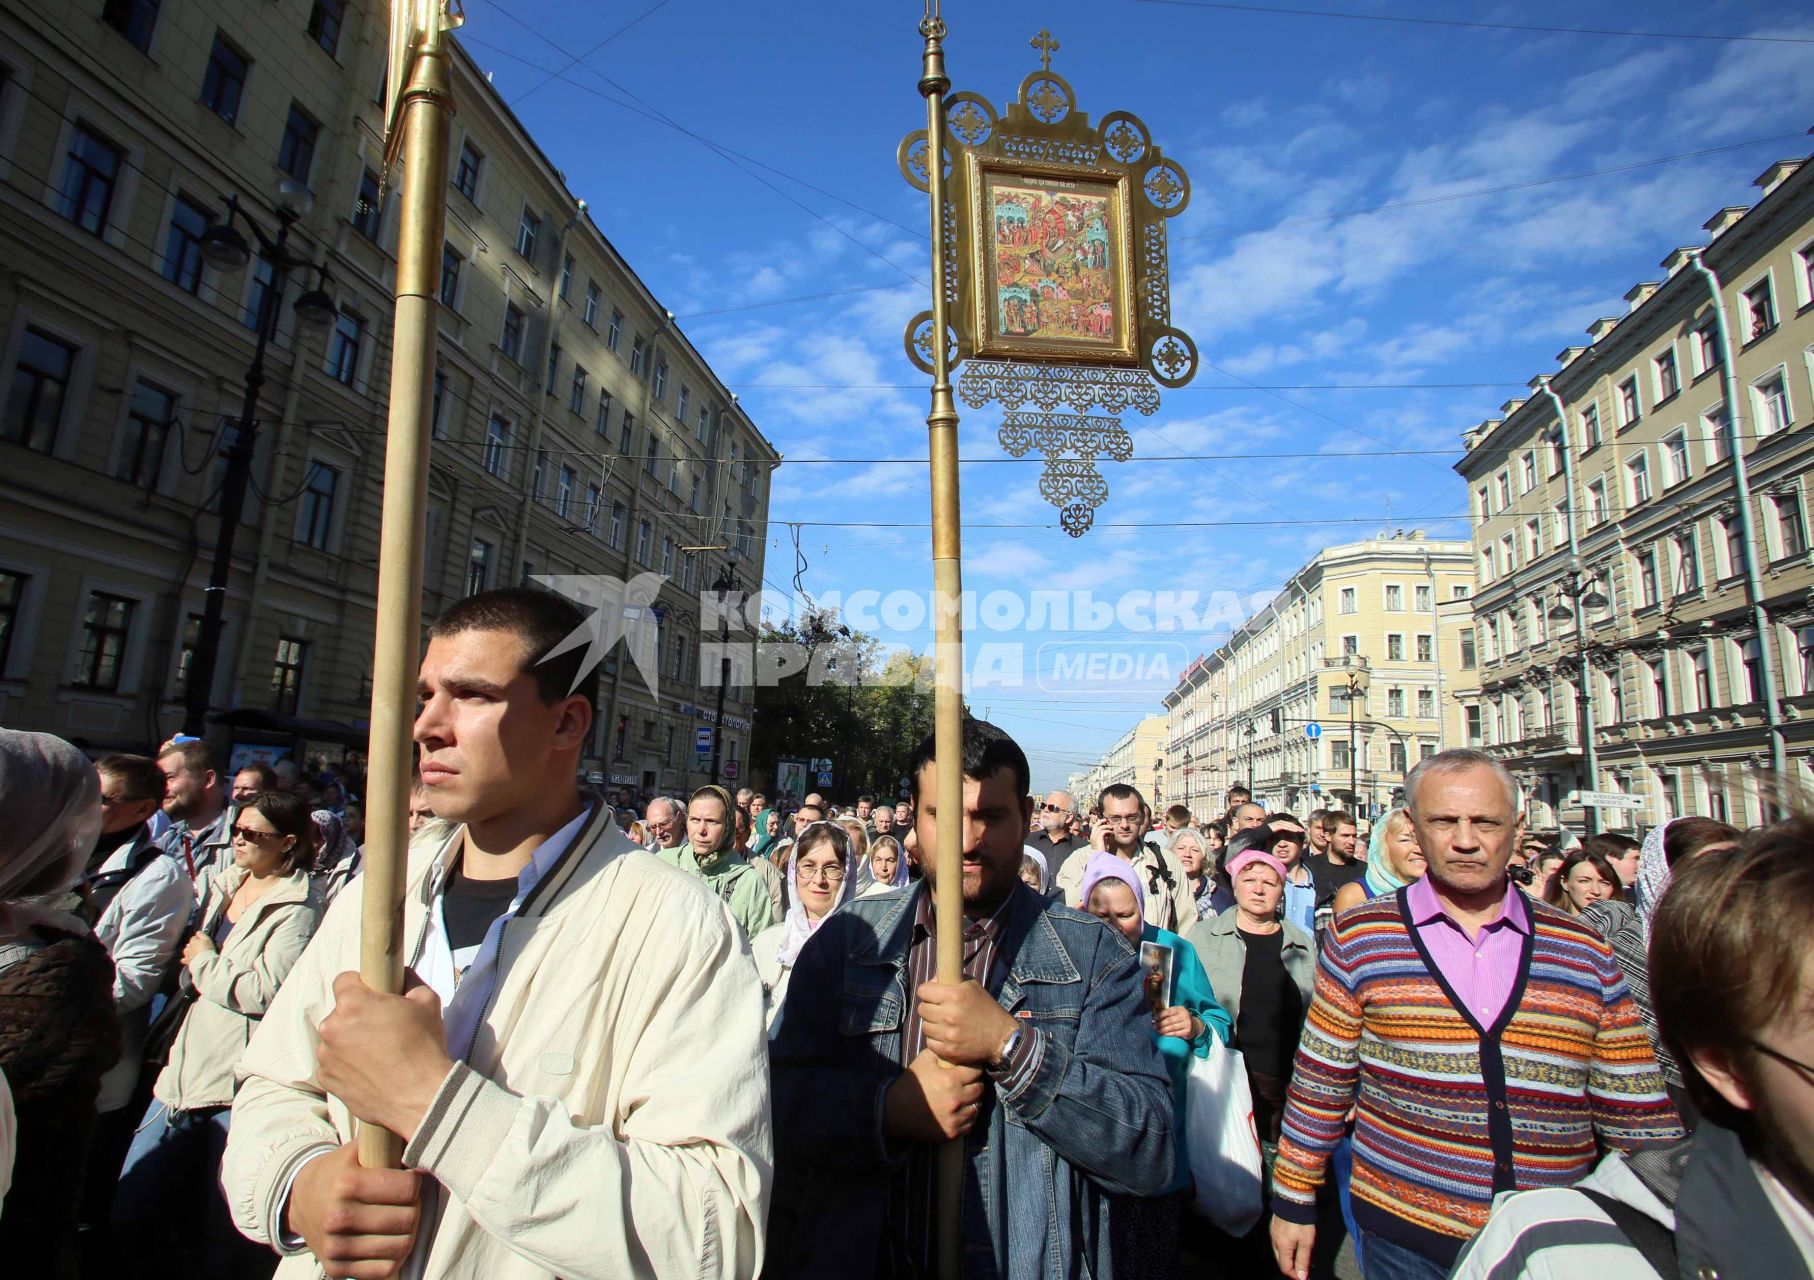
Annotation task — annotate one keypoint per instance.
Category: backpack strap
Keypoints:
(1654, 1242)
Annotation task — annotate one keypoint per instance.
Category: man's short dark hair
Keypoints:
(1282, 816)
(1333, 819)
(1609, 844)
(1119, 791)
(868, 800)
(140, 775)
(267, 780)
(198, 757)
(1239, 789)
(986, 749)
(1261, 838)
(541, 620)
(1177, 813)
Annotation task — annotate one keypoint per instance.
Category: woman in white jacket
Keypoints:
(823, 869)
(257, 916)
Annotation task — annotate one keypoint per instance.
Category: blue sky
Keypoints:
(1285, 269)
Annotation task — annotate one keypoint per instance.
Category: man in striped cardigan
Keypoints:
(1482, 1041)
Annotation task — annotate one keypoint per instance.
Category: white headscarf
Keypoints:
(797, 927)
(1653, 876)
(50, 803)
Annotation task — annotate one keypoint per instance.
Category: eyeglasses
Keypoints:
(1806, 1069)
(254, 836)
(1124, 821)
(831, 875)
(1055, 808)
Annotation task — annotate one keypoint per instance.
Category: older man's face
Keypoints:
(663, 823)
(1056, 813)
(1248, 816)
(1467, 828)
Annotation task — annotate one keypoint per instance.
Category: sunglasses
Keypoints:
(1055, 808)
(254, 836)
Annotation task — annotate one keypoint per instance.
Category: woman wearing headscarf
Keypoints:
(337, 858)
(1182, 1018)
(708, 854)
(887, 866)
(824, 878)
(1393, 861)
(257, 915)
(768, 830)
(59, 1032)
(1626, 928)
(1192, 852)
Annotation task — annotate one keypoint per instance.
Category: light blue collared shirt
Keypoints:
(1300, 901)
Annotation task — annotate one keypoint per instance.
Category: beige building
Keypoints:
(1655, 487)
(1132, 760)
(1270, 708)
(577, 430)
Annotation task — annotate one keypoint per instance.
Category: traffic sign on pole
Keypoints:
(1313, 731)
(702, 740)
(1606, 800)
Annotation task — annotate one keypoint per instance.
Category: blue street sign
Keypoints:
(702, 740)
(1313, 731)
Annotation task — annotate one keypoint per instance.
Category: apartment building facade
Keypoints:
(1383, 620)
(1642, 518)
(1132, 760)
(576, 429)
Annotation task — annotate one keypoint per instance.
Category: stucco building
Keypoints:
(1131, 761)
(577, 430)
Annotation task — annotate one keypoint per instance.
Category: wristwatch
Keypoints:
(1007, 1047)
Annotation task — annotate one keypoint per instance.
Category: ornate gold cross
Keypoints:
(1046, 46)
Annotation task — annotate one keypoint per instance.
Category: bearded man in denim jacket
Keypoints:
(1053, 1083)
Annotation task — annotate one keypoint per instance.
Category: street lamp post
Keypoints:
(224, 246)
(1356, 668)
(727, 582)
(1584, 591)
(1249, 770)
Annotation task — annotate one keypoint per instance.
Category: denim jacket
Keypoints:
(1091, 1122)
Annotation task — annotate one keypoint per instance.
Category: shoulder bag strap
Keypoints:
(1653, 1241)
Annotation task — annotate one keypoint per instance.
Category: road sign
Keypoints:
(822, 771)
(730, 769)
(702, 740)
(1606, 800)
(1313, 731)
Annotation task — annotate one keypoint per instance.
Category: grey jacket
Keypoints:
(1223, 952)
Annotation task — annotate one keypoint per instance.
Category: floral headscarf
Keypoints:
(1653, 876)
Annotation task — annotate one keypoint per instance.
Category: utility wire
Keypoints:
(1533, 28)
(581, 57)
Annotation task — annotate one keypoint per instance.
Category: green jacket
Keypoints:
(733, 879)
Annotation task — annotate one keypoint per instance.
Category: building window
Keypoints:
(576, 395)
(286, 674)
(1590, 428)
(563, 492)
(451, 262)
(1426, 704)
(1558, 528)
(315, 514)
(538, 480)
(626, 437)
(1468, 658)
(659, 387)
(1338, 754)
(1760, 310)
(510, 342)
(1628, 401)
(1669, 378)
(615, 331)
(1486, 564)
(604, 412)
(296, 154)
(1751, 668)
(566, 287)
(1395, 598)
(1508, 551)
(1700, 662)
(1533, 540)
(1716, 424)
(224, 82)
(368, 211)
(478, 567)
(694, 501)
(133, 19)
(1791, 534)
(1504, 485)
(1734, 539)
(1423, 596)
(1475, 736)
(105, 627)
(1348, 601)
(497, 445)
(645, 537)
(437, 428)
(1773, 413)
(1395, 647)
(343, 354)
(1659, 687)
(1395, 703)
(1675, 459)
(1637, 474)
(652, 458)
(1596, 504)
(1426, 647)
(593, 500)
(34, 404)
(12, 597)
(1483, 503)
(148, 422)
(183, 244)
(326, 18)
(90, 171)
(618, 512)
(639, 354)
(667, 557)
(528, 231)
(1647, 577)
(1706, 354)
(1395, 756)
(466, 173)
(1804, 641)
(554, 366)
(1613, 698)
(1552, 440)
(590, 315)
(680, 404)
(1687, 563)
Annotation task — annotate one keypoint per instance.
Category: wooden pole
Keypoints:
(427, 110)
(947, 587)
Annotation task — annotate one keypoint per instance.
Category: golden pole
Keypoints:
(947, 588)
(427, 108)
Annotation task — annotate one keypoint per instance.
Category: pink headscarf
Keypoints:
(1247, 857)
(1109, 866)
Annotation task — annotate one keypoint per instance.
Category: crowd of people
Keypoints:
(704, 1036)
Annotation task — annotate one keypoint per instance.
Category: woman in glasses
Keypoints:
(823, 870)
(256, 917)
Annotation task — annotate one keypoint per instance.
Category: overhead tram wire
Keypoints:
(1527, 28)
(579, 58)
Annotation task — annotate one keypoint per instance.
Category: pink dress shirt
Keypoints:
(1483, 969)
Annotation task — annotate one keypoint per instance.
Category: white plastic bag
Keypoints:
(1220, 1140)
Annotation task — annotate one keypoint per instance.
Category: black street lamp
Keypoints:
(727, 582)
(226, 247)
(1585, 592)
(1356, 668)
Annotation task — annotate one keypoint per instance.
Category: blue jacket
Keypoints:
(1092, 1121)
(1190, 989)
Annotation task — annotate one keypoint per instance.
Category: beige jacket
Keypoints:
(614, 1121)
(1174, 908)
(235, 986)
